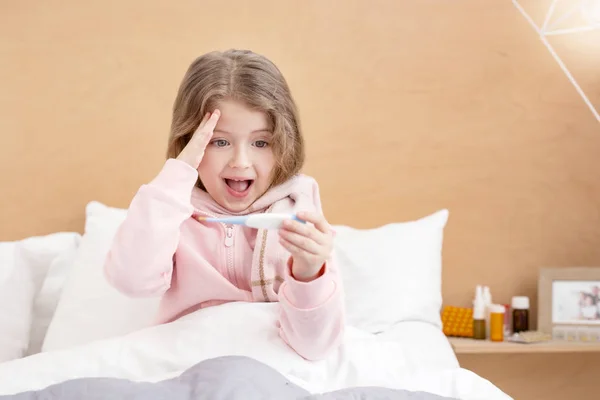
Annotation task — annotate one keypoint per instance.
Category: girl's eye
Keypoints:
(220, 143)
(261, 143)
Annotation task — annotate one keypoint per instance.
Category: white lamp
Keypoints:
(590, 9)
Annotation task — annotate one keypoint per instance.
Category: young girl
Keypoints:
(235, 148)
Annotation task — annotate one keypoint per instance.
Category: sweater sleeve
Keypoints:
(140, 260)
(312, 313)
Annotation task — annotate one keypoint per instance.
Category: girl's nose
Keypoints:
(240, 159)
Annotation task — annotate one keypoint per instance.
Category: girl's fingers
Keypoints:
(205, 130)
(318, 220)
(301, 242)
(292, 248)
(305, 230)
(212, 121)
(193, 152)
(203, 122)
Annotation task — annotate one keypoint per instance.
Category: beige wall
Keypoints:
(407, 107)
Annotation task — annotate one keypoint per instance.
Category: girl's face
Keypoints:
(238, 162)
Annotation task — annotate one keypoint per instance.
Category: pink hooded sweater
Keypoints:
(161, 249)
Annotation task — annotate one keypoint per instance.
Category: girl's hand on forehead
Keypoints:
(194, 151)
(310, 244)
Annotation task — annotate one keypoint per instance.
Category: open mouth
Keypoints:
(239, 186)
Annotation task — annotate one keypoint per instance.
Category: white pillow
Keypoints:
(24, 265)
(89, 308)
(16, 297)
(392, 273)
(46, 301)
(38, 252)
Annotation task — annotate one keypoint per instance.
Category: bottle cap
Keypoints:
(520, 302)
(487, 295)
(497, 309)
(478, 312)
(478, 293)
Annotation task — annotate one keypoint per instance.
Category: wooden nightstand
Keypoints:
(471, 346)
(553, 370)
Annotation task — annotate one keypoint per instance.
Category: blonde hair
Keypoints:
(240, 75)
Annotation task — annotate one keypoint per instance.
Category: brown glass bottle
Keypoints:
(479, 329)
(479, 322)
(520, 320)
(520, 314)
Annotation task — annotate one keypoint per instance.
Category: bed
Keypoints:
(67, 331)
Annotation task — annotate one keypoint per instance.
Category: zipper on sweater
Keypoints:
(229, 250)
(228, 235)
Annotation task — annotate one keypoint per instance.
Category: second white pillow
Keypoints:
(89, 308)
(392, 273)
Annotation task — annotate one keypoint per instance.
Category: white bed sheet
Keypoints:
(424, 345)
(412, 356)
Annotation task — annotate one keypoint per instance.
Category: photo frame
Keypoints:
(569, 303)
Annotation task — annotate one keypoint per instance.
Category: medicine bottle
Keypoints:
(497, 322)
(520, 314)
(479, 322)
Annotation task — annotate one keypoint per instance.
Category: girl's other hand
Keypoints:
(310, 244)
(194, 151)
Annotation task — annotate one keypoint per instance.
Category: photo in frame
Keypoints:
(569, 303)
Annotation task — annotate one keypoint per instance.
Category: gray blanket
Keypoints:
(230, 377)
